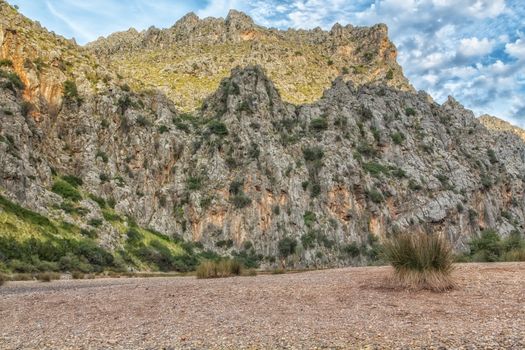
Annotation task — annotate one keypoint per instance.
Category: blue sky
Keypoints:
(473, 50)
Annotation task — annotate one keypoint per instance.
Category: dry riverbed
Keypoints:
(335, 309)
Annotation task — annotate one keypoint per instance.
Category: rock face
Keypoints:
(249, 172)
(499, 125)
(188, 60)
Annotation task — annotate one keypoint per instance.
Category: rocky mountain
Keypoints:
(188, 61)
(499, 125)
(100, 170)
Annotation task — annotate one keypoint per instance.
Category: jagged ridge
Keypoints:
(499, 125)
(189, 59)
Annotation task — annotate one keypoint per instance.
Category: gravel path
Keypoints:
(335, 309)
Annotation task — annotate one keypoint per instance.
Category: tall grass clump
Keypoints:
(3, 278)
(219, 269)
(420, 261)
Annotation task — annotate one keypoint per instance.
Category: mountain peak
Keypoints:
(188, 20)
(239, 20)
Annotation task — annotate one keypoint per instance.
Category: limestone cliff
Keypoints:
(248, 170)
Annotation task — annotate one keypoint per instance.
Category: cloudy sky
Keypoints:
(471, 49)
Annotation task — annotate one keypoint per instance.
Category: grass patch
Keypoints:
(66, 190)
(420, 261)
(26, 215)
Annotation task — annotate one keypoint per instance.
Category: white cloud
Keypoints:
(486, 8)
(79, 31)
(471, 47)
(516, 49)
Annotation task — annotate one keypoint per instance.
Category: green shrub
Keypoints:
(71, 91)
(315, 190)
(14, 82)
(110, 216)
(236, 186)
(351, 250)
(375, 168)
(163, 129)
(225, 243)
(414, 186)
(486, 181)
(312, 154)
(218, 128)
(143, 121)
(319, 124)
(124, 103)
(366, 150)
(308, 240)
(241, 201)
(88, 233)
(73, 180)
(194, 183)
(366, 113)
(286, 246)
(398, 138)
(420, 261)
(492, 156)
(409, 111)
(390, 74)
(399, 173)
(489, 247)
(254, 151)
(374, 195)
(65, 190)
(6, 63)
(95, 222)
(102, 155)
(3, 279)
(100, 201)
(309, 218)
(248, 258)
(134, 236)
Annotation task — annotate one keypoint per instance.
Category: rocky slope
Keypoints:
(499, 125)
(188, 60)
(248, 174)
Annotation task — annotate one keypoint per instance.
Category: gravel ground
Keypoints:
(332, 309)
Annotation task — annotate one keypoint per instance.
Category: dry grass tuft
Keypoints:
(218, 269)
(77, 275)
(47, 276)
(420, 261)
